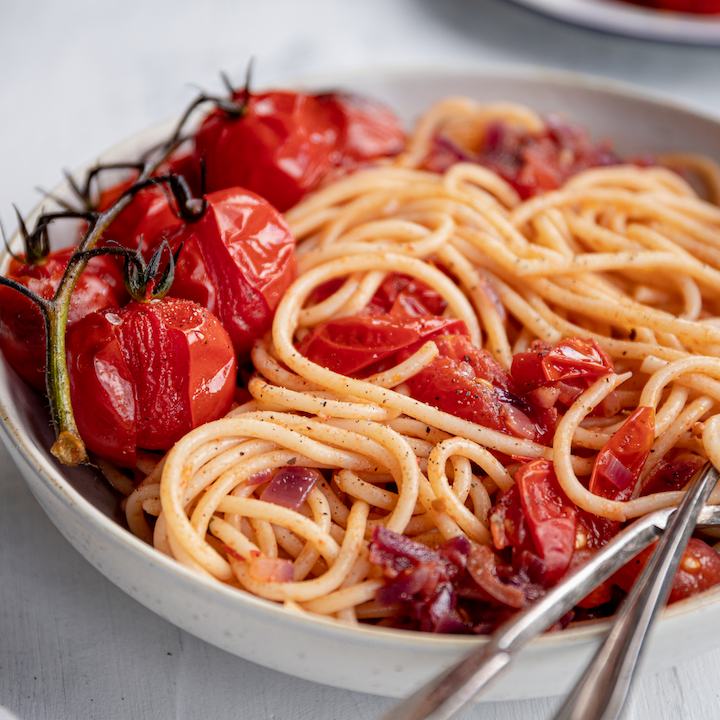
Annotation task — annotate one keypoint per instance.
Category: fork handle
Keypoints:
(601, 691)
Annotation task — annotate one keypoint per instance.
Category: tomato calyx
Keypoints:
(141, 279)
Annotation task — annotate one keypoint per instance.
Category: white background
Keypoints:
(78, 76)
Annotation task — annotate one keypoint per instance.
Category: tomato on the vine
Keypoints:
(279, 147)
(144, 375)
(22, 329)
(237, 260)
(368, 129)
(149, 214)
(281, 144)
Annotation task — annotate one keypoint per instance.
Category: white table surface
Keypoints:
(76, 77)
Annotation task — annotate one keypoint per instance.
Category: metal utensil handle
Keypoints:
(601, 691)
(444, 695)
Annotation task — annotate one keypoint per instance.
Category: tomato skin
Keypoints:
(550, 515)
(618, 465)
(236, 261)
(468, 382)
(673, 472)
(699, 570)
(350, 345)
(286, 143)
(536, 516)
(571, 359)
(22, 330)
(560, 373)
(280, 148)
(369, 129)
(149, 214)
(146, 374)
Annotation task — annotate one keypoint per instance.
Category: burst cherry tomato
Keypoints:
(673, 472)
(236, 261)
(22, 330)
(279, 148)
(618, 465)
(469, 383)
(550, 515)
(149, 215)
(699, 570)
(284, 143)
(368, 129)
(144, 375)
(532, 164)
(561, 373)
(352, 344)
(536, 516)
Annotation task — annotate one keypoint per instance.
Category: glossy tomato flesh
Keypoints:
(352, 344)
(237, 261)
(280, 148)
(618, 465)
(699, 570)
(468, 382)
(368, 129)
(286, 143)
(144, 375)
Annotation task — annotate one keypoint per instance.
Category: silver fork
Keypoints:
(601, 692)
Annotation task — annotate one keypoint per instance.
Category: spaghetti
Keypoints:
(624, 259)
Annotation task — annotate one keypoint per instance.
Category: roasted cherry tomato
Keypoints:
(550, 515)
(699, 570)
(469, 383)
(618, 465)
(536, 516)
(144, 375)
(149, 215)
(350, 345)
(236, 261)
(368, 130)
(280, 147)
(403, 295)
(570, 359)
(22, 330)
(560, 373)
(284, 143)
(673, 472)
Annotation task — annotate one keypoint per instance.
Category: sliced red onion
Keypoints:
(388, 546)
(290, 487)
(262, 477)
(518, 422)
(617, 473)
(481, 566)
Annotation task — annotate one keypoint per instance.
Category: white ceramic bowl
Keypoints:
(379, 661)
